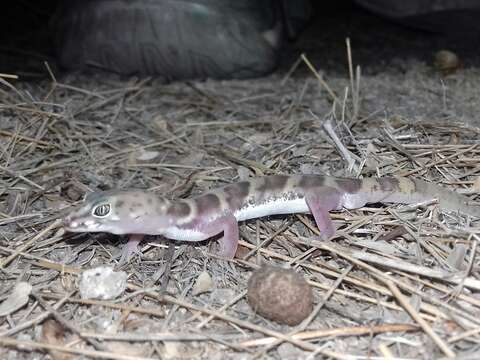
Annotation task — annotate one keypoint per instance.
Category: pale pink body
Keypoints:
(219, 211)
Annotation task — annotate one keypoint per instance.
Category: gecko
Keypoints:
(139, 212)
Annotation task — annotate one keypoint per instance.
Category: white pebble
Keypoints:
(102, 283)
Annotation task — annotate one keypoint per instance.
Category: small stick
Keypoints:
(416, 316)
(342, 331)
(354, 89)
(25, 246)
(108, 304)
(90, 353)
(53, 312)
(291, 71)
(9, 76)
(401, 299)
(341, 148)
(26, 324)
(21, 177)
(25, 138)
(321, 81)
(168, 266)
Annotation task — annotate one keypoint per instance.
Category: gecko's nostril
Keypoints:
(69, 224)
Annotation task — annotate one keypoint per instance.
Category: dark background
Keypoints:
(26, 40)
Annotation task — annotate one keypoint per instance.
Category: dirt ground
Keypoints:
(396, 281)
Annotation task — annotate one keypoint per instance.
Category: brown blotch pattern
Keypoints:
(389, 184)
(307, 182)
(420, 186)
(207, 203)
(120, 203)
(179, 209)
(236, 194)
(351, 186)
(272, 183)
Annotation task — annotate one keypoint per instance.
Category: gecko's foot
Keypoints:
(320, 238)
(225, 249)
(128, 251)
(125, 255)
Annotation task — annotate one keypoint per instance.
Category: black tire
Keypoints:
(177, 39)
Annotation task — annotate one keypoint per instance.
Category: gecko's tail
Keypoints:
(401, 190)
(447, 199)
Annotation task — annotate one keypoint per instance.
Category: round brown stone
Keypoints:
(280, 295)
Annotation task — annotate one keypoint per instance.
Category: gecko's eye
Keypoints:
(101, 210)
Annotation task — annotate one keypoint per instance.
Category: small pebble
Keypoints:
(446, 61)
(102, 283)
(280, 295)
(203, 284)
(17, 299)
(476, 184)
(144, 155)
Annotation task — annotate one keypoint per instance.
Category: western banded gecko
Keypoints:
(140, 213)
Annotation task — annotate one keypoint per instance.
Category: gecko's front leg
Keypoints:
(130, 248)
(320, 202)
(228, 243)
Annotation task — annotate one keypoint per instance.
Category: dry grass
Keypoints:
(395, 281)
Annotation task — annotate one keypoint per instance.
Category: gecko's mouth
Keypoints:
(79, 226)
(70, 225)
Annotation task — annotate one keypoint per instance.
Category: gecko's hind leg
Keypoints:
(228, 243)
(321, 202)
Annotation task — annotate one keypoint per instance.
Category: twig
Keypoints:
(327, 125)
(414, 314)
(53, 312)
(168, 266)
(337, 332)
(19, 344)
(322, 82)
(34, 239)
(21, 177)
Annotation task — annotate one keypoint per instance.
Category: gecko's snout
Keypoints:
(69, 224)
(74, 224)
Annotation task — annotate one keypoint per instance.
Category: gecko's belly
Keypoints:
(181, 234)
(276, 206)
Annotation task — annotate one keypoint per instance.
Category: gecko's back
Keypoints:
(279, 194)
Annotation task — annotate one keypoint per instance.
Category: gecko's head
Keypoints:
(118, 212)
